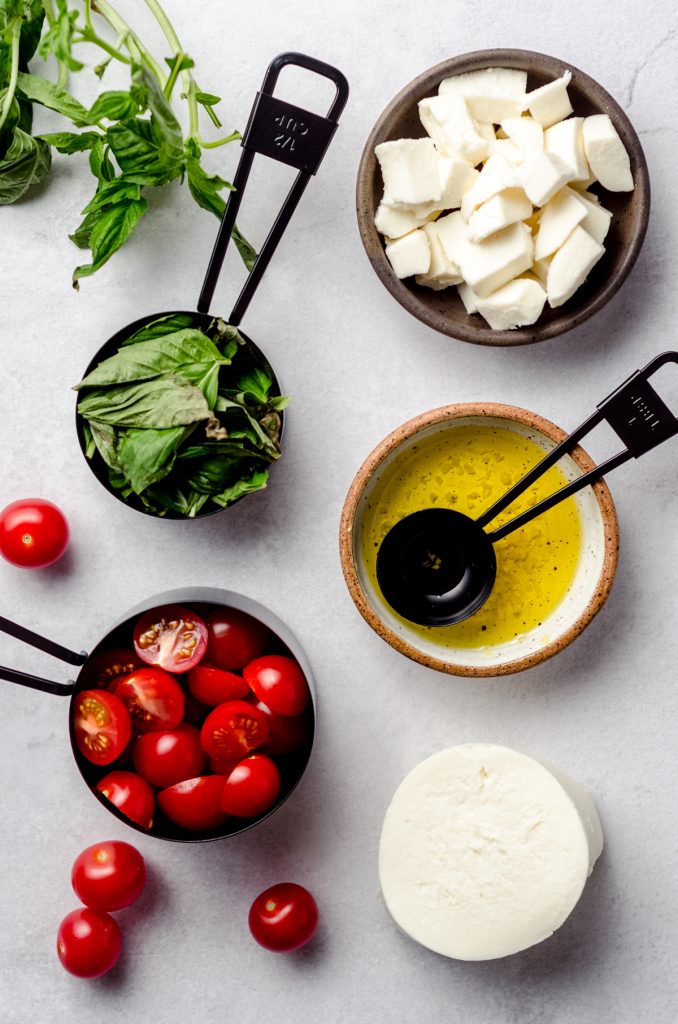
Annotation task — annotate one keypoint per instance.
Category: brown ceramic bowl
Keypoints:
(443, 310)
(584, 598)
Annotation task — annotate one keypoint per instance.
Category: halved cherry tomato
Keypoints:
(164, 758)
(251, 788)
(104, 671)
(213, 685)
(88, 942)
(285, 734)
(234, 729)
(172, 637)
(234, 638)
(101, 724)
(131, 794)
(109, 875)
(33, 533)
(194, 804)
(153, 698)
(278, 682)
(283, 917)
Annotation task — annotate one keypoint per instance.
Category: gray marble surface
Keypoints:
(604, 710)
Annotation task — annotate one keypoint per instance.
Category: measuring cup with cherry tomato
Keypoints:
(193, 718)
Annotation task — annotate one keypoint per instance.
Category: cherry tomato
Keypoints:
(153, 698)
(251, 788)
(88, 942)
(131, 794)
(194, 711)
(234, 729)
(172, 637)
(285, 734)
(33, 533)
(164, 758)
(213, 686)
(234, 638)
(278, 682)
(104, 671)
(102, 726)
(108, 876)
(283, 917)
(194, 804)
(222, 767)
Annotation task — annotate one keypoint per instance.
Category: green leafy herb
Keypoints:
(168, 401)
(25, 163)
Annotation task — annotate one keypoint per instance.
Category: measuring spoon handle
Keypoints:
(41, 643)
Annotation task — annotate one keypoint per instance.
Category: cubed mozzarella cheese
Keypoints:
(516, 304)
(395, 223)
(606, 154)
(452, 129)
(550, 103)
(497, 175)
(557, 220)
(540, 269)
(566, 140)
(410, 254)
(485, 852)
(487, 265)
(542, 176)
(409, 168)
(456, 178)
(505, 208)
(597, 219)
(442, 272)
(526, 133)
(571, 265)
(491, 94)
(507, 149)
(468, 297)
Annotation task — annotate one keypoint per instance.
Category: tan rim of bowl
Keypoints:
(392, 442)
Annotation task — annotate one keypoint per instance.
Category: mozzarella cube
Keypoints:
(395, 223)
(540, 269)
(542, 176)
(468, 297)
(442, 272)
(606, 154)
(571, 265)
(410, 254)
(452, 129)
(597, 219)
(566, 140)
(507, 149)
(497, 175)
(557, 220)
(551, 102)
(499, 212)
(487, 265)
(526, 133)
(409, 168)
(456, 178)
(517, 304)
(491, 94)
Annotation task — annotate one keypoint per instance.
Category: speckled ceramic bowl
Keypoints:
(584, 598)
(443, 310)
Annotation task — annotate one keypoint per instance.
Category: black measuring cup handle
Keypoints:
(41, 643)
(636, 413)
(290, 135)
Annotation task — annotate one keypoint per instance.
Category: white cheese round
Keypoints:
(485, 852)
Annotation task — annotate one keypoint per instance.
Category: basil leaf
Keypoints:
(205, 188)
(100, 164)
(256, 382)
(111, 228)
(82, 234)
(256, 482)
(161, 327)
(71, 142)
(31, 30)
(168, 401)
(114, 105)
(204, 376)
(26, 162)
(143, 154)
(207, 99)
(105, 438)
(116, 191)
(169, 496)
(150, 358)
(39, 90)
(58, 38)
(147, 456)
(184, 62)
(226, 450)
(248, 254)
(162, 114)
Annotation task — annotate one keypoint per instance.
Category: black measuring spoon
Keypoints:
(437, 567)
(283, 132)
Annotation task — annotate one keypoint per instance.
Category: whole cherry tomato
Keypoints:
(88, 942)
(131, 794)
(101, 724)
(164, 758)
(285, 734)
(153, 698)
(283, 917)
(109, 875)
(33, 533)
(234, 729)
(251, 788)
(234, 638)
(278, 682)
(172, 637)
(194, 804)
(213, 686)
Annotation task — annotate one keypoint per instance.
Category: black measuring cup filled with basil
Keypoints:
(180, 413)
(437, 566)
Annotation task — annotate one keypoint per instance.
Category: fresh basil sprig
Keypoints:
(182, 417)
